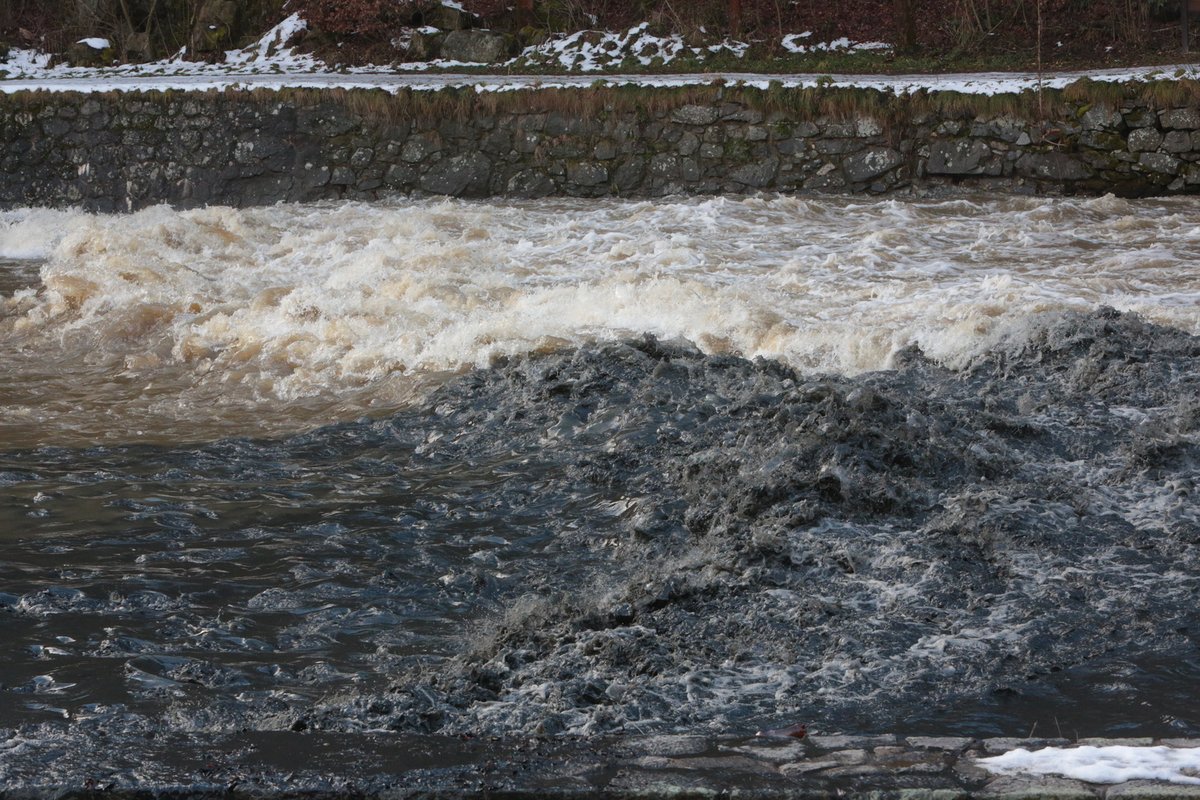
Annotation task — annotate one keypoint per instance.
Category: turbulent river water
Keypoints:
(598, 467)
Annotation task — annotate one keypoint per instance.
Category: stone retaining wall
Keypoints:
(124, 151)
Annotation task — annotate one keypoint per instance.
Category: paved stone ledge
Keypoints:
(646, 767)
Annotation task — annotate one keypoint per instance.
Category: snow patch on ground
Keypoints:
(271, 50)
(592, 51)
(1108, 764)
(269, 55)
(21, 62)
(793, 44)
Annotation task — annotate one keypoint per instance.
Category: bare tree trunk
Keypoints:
(1185, 23)
(906, 25)
(1041, 106)
(735, 17)
(524, 12)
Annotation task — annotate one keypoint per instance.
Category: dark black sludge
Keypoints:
(631, 538)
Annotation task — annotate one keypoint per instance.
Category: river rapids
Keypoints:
(596, 468)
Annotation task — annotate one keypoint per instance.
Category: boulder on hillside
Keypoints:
(425, 45)
(215, 26)
(90, 52)
(448, 17)
(477, 46)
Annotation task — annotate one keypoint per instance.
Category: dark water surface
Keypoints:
(631, 538)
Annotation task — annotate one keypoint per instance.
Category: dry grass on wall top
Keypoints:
(375, 106)
(836, 103)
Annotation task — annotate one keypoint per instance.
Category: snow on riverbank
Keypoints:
(271, 63)
(1108, 764)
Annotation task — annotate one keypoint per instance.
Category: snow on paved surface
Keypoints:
(1107, 764)
(394, 80)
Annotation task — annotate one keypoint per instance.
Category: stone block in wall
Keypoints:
(400, 176)
(419, 147)
(1144, 140)
(732, 112)
(1181, 118)
(1177, 142)
(696, 115)
(559, 124)
(867, 127)
(671, 134)
(324, 121)
(452, 129)
(1101, 140)
(1103, 160)
(604, 150)
(527, 141)
(956, 156)
(827, 178)
(1160, 162)
(315, 176)
(805, 129)
(833, 147)
(1052, 166)
(629, 175)
(756, 176)
(586, 173)
(461, 176)
(664, 165)
(1006, 129)
(871, 163)
(497, 142)
(1140, 118)
(259, 190)
(56, 127)
(688, 144)
(1101, 117)
(370, 179)
(837, 129)
(793, 147)
(568, 147)
(530, 183)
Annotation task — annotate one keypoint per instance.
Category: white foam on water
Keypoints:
(301, 306)
(1108, 764)
(28, 234)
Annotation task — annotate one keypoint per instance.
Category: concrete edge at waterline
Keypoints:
(644, 768)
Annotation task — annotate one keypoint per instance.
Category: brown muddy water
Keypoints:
(439, 468)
